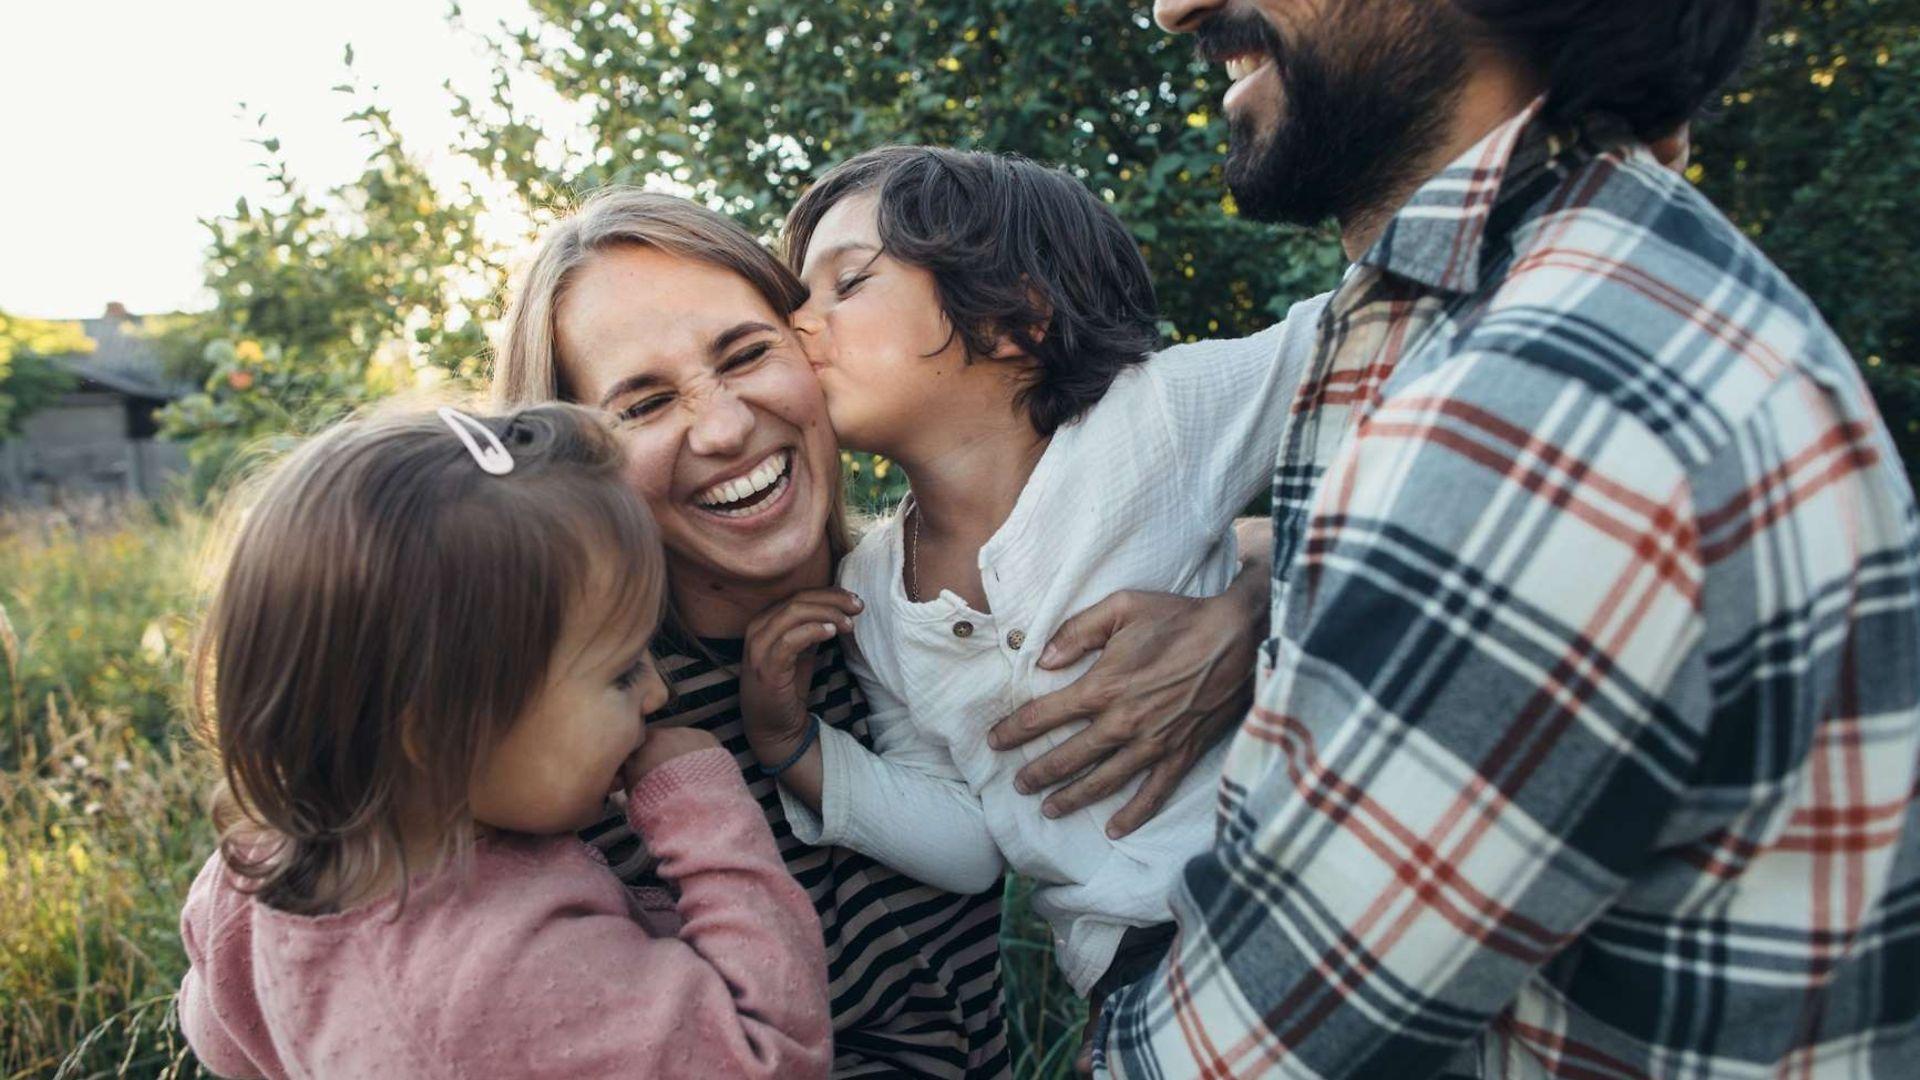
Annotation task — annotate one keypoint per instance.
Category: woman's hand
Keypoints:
(1174, 676)
(776, 671)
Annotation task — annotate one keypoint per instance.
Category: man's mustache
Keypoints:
(1235, 34)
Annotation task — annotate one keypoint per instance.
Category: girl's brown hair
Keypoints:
(528, 367)
(388, 611)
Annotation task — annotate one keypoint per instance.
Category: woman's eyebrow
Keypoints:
(721, 342)
(628, 385)
(724, 339)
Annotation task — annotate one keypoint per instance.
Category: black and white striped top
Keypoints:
(915, 972)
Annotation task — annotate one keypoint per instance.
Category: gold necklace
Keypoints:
(913, 556)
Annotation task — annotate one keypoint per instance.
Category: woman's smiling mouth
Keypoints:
(747, 495)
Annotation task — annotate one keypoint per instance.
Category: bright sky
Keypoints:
(121, 126)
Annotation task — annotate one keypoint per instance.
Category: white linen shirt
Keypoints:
(1140, 494)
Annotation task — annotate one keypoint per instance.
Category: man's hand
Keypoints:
(1174, 675)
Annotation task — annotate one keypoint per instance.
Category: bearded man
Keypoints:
(1589, 726)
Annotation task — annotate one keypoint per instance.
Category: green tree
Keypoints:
(325, 302)
(30, 375)
(1816, 153)
(744, 101)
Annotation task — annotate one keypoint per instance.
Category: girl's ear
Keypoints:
(416, 754)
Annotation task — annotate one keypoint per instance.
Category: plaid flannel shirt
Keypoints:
(1587, 742)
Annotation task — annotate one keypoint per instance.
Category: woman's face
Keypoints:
(874, 329)
(725, 429)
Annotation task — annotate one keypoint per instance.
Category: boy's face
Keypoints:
(552, 771)
(887, 357)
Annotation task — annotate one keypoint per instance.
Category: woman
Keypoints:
(676, 320)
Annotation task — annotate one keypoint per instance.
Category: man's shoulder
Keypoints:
(1625, 279)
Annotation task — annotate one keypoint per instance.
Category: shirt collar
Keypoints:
(1438, 239)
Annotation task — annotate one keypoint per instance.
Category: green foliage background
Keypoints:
(29, 377)
(325, 300)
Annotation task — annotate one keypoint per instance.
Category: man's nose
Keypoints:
(721, 424)
(1182, 16)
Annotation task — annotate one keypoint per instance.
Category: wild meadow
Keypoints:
(102, 797)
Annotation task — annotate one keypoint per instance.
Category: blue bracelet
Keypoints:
(806, 744)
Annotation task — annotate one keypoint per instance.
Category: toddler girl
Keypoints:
(989, 325)
(428, 666)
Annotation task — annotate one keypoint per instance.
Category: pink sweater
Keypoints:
(531, 965)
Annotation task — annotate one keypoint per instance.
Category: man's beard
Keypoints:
(1365, 100)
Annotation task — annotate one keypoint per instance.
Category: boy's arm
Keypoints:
(904, 803)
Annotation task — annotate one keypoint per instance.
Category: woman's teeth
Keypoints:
(769, 476)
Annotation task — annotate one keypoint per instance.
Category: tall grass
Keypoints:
(100, 828)
(101, 807)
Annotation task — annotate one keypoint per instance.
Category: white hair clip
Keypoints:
(493, 457)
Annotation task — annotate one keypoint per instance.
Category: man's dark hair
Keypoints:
(1017, 251)
(1653, 63)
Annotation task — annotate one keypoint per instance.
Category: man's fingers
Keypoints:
(1038, 716)
(1103, 780)
(1154, 792)
(1063, 762)
(1085, 632)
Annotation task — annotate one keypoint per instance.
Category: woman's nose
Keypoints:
(721, 424)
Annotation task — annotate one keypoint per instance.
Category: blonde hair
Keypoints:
(527, 366)
(388, 611)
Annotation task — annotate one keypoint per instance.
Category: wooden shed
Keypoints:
(101, 438)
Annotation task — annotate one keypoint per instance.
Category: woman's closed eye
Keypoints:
(746, 357)
(845, 286)
(645, 407)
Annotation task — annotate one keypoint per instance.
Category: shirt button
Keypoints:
(963, 628)
(1015, 639)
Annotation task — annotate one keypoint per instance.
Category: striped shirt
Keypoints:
(1590, 735)
(914, 972)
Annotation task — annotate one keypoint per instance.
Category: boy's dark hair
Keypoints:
(1654, 63)
(1017, 251)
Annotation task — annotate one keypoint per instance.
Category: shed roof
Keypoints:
(123, 360)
